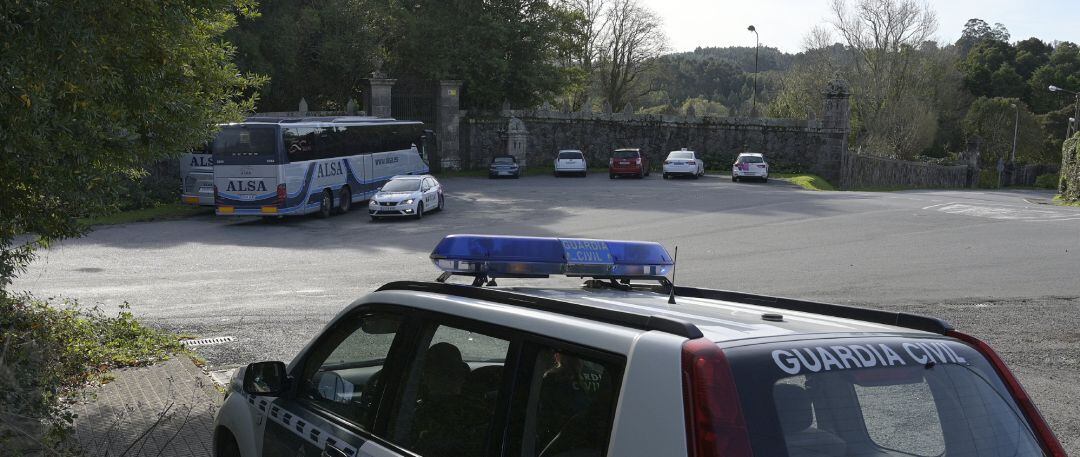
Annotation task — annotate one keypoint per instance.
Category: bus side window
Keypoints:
(299, 143)
(327, 143)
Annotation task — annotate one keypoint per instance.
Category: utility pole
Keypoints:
(1016, 133)
(757, 46)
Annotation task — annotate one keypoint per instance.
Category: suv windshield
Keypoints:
(751, 159)
(626, 154)
(402, 185)
(681, 155)
(503, 160)
(245, 146)
(569, 155)
(887, 396)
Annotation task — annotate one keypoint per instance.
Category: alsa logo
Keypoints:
(246, 186)
(330, 169)
(386, 160)
(201, 160)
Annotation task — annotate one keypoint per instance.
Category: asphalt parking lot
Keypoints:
(995, 264)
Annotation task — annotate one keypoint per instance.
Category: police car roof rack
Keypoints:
(912, 321)
(639, 321)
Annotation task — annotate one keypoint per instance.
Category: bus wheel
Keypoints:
(326, 205)
(346, 200)
(419, 210)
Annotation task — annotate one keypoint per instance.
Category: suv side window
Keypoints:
(344, 373)
(450, 392)
(569, 406)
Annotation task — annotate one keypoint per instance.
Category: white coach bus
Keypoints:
(288, 166)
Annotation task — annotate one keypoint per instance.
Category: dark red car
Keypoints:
(628, 162)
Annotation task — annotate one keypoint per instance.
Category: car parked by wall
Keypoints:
(628, 162)
(570, 161)
(683, 163)
(750, 165)
(504, 166)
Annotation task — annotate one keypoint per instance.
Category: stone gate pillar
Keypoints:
(447, 124)
(834, 164)
(376, 96)
(517, 141)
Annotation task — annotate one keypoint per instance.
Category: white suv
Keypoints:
(750, 165)
(621, 367)
(570, 161)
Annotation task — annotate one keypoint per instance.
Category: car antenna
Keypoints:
(671, 290)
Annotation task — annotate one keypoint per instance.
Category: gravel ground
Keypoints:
(1039, 339)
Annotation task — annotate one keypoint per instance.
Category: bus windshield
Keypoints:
(246, 146)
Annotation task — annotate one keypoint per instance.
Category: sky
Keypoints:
(783, 23)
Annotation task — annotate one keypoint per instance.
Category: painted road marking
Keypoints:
(1005, 212)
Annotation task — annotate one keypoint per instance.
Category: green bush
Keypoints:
(50, 351)
(989, 179)
(1047, 181)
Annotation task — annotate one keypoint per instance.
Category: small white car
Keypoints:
(684, 163)
(407, 196)
(570, 161)
(750, 165)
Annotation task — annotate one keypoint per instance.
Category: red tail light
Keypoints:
(714, 422)
(1049, 442)
(281, 194)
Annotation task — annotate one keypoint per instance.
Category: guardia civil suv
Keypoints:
(628, 364)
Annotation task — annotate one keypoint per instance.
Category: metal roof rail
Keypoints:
(912, 321)
(639, 321)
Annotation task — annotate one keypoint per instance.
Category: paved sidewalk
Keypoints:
(163, 410)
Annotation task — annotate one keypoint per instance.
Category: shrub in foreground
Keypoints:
(49, 351)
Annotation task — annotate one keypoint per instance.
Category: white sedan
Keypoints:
(407, 196)
(684, 163)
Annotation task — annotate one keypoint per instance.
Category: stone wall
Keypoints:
(790, 144)
(1069, 187)
(859, 171)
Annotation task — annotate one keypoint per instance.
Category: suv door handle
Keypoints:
(331, 451)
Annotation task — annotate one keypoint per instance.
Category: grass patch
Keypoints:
(1061, 202)
(155, 213)
(806, 181)
(49, 351)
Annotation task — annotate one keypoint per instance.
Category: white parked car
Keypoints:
(750, 165)
(570, 161)
(407, 195)
(685, 163)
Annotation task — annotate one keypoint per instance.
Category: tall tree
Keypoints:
(891, 114)
(504, 50)
(318, 50)
(632, 41)
(995, 121)
(92, 91)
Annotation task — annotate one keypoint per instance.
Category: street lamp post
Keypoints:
(757, 45)
(1072, 128)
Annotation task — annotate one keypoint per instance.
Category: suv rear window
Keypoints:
(681, 155)
(569, 155)
(888, 396)
(750, 159)
(503, 160)
(625, 154)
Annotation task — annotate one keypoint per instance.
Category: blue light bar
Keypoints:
(521, 256)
